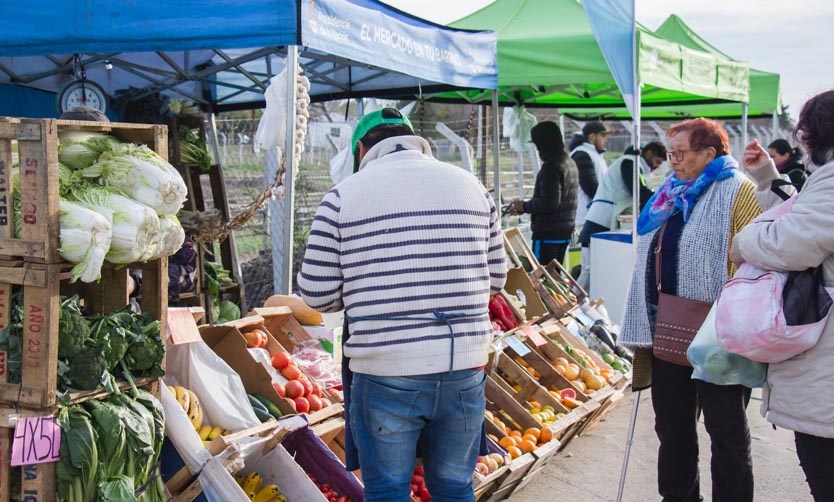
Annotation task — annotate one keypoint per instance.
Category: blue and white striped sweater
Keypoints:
(404, 236)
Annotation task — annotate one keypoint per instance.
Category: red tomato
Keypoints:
(308, 386)
(279, 389)
(293, 389)
(291, 372)
(315, 402)
(281, 360)
(302, 405)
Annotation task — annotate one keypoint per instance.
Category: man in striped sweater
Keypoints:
(411, 248)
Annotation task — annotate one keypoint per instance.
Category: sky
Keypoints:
(794, 39)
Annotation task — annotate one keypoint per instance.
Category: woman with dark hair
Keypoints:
(797, 394)
(788, 161)
(691, 219)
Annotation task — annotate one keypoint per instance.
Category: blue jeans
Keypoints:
(443, 412)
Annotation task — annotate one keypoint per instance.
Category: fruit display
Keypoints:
(190, 404)
(566, 397)
(329, 491)
(253, 485)
(515, 441)
(305, 395)
(256, 338)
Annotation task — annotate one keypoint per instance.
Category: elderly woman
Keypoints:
(797, 394)
(700, 206)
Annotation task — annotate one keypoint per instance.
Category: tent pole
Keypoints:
(562, 125)
(635, 180)
(744, 108)
(496, 138)
(289, 172)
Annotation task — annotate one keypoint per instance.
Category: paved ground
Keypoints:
(588, 470)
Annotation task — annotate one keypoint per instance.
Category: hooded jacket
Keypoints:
(553, 205)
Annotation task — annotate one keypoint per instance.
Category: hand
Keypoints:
(755, 157)
(517, 206)
(735, 257)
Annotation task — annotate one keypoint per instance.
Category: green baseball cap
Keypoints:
(377, 118)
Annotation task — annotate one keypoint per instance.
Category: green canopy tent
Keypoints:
(763, 91)
(548, 57)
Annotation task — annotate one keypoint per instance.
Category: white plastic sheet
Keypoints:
(219, 485)
(517, 123)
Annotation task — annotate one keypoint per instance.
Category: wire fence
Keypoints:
(245, 179)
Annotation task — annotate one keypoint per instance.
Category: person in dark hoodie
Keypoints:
(553, 205)
(788, 160)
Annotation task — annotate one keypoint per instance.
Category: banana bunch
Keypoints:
(190, 403)
(208, 433)
(252, 484)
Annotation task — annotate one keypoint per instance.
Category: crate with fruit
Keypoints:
(573, 348)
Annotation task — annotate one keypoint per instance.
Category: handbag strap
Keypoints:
(657, 249)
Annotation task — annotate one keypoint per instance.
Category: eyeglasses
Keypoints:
(678, 155)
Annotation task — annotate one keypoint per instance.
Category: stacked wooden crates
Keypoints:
(32, 261)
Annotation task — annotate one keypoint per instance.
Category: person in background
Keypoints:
(788, 161)
(797, 394)
(592, 168)
(411, 248)
(553, 205)
(614, 195)
(700, 207)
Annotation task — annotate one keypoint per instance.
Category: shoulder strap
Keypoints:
(776, 187)
(657, 248)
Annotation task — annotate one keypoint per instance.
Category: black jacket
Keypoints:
(795, 170)
(553, 205)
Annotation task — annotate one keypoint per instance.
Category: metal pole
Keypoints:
(774, 127)
(289, 170)
(743, 125)
(629, 442)
(496, 138)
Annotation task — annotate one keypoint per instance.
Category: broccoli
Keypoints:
(86, 368)
(112, 338)
(145, 354)
(73, 329)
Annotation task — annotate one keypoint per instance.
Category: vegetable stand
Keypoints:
(195, 166)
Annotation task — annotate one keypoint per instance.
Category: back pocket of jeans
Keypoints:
(388, 410)
(473, 402)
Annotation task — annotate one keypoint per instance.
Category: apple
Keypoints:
(482, 469)
(302, 405)
(294, 389)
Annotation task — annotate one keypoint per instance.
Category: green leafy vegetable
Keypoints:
(80, 149)
(73, 329)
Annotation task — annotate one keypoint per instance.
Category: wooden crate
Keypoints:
(43, 285)
(542, 456)
(483, 485)
(38, 481)
(504, 486)
(549, 376)
(557, 271)
(558, 332)
(522, 254)
(560, 304)
(37, 142)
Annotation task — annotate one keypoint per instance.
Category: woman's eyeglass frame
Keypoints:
(679, 155)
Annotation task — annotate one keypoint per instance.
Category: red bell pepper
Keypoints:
(499, 308)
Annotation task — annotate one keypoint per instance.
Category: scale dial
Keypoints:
(82, 92)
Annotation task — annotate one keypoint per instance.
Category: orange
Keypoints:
(534, 403)
(515, 433)
(570, 403)
(580, 385)
(518, 440)
(514, 451)
(530, 437)
(533, 431)
(532, 371)
(560, 361)
(506, 442)
(572, 372)
(527, 446)
(493, 437)
(546, 435)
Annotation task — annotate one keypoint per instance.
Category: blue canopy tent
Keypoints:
(221, 54)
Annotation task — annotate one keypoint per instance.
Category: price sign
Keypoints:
(534, 336)
(517, 345)
(36, 440)
(584, 318)
(182, 328)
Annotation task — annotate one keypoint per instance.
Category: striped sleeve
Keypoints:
(496, 255)
(320, 280)
(745, 208)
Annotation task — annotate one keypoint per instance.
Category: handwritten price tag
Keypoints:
(36, 440)
(182, 327)
(534, 336)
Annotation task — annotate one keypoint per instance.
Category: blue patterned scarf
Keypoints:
(680, 195)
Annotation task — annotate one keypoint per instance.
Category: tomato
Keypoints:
(294, 389)
(315, 402)
(291, 372)
(279, 389)
(302, 405)
(281, 360)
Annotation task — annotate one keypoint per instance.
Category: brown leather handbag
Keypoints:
(678, 319)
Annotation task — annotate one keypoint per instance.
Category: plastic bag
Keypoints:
(318, 363)
(218, 485)
(715, 365)
(272, 126)
(341, 165)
